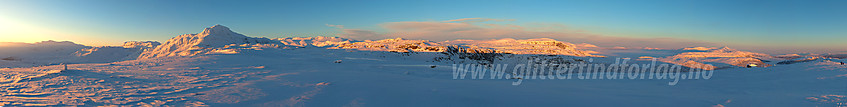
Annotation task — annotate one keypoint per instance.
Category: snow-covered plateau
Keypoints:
(219, 67)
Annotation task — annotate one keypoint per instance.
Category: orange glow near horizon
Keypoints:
(15, 31)
(18, 31)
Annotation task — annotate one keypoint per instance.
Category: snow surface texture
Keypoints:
(219, 67)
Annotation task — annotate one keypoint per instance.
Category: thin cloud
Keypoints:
(473, 20)
(358, 33)
(336, 26)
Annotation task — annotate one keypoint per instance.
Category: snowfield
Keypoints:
(219, 67)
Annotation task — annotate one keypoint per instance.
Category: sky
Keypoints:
(771, 26)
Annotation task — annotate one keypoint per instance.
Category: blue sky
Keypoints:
(739, 23)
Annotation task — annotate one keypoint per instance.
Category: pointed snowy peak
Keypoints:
(724, 49)
(218, 29)
(219, 26)
(217, 35)
(191, 44)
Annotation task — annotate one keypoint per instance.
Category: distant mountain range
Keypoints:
(220, 39)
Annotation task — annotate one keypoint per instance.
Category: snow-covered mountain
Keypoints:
(220, 39)
(718, 57)
(141, 44)
(45, 48)
(53, 52)
(395, 45)
(40, 53)
(797, 58)
(219, 67)
(200, 43)
(540, 46)
(128, 51)
(310, 77)
(320, 41)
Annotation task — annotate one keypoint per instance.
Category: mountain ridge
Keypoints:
(217, 37)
